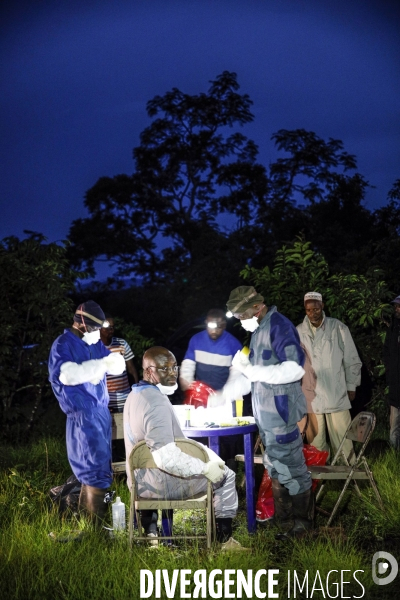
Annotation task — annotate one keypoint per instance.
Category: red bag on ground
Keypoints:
(197, 394)
(265, 508)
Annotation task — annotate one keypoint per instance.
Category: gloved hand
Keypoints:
(214, 471)
(214, 457)
(216, 399)
(240, 361)
(115, 363)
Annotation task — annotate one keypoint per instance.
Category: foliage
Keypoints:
(131, 333)
(189, 169)
(360, 301)
(35, 282)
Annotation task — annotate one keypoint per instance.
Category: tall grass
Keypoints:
(33, 566)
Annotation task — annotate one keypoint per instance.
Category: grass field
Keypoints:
(33, 566)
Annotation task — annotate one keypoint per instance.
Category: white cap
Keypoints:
(313, 296)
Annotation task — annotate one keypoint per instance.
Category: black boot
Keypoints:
(224, 529)
(283, 506)
(303, 506)
(149, 523)
(92, 504)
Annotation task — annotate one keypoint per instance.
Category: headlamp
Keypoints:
(212, 325)
(229, 314)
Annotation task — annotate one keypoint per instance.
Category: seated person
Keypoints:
(149, 416)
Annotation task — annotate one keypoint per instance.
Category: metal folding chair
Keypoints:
(141, 458)
(359, 431)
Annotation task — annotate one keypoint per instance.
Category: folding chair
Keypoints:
(359, 430)
(141, 458)
(117, 433)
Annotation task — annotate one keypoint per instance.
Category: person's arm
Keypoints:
(159, 437)
(386, 351)
(351, 360)
(131, 371)
(91, 371)
(188, 370)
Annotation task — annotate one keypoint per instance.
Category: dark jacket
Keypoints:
(391, 360)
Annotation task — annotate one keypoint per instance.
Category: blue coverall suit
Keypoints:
(88, 430)
(278, 408)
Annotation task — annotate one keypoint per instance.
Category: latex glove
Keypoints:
(214, 471)
(115, 363)
(215, 400)
(286, 372)
(214, 457)
(240, 361)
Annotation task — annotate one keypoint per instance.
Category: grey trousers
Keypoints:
(153, 483)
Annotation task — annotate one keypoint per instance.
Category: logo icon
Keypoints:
(384, 563)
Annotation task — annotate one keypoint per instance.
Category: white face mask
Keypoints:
(167, 389)
(250, 324)
(92, 337)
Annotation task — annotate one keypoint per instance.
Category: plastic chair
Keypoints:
(117, 433)
(141, 458)
(359, 431)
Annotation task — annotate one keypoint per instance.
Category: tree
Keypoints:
(360, 301)
(35, 282)
(189, 170)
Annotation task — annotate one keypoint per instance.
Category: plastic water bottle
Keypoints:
(118, 515)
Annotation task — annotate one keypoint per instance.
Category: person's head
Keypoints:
(314, 306)
(106, 333)
(88, 320)
(245, 303)
(215, 323)
(396, 306)
(159, 366)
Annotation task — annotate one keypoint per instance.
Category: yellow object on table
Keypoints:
(239, 407)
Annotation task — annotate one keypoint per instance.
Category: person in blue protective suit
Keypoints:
(78, 364)
(274, 370)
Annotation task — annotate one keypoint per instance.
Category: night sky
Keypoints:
(76, 77)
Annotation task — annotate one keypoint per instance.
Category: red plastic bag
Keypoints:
(197, 394)
(265, 508)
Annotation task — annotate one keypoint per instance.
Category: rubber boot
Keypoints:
(283, 516)
(92, 504)
(224, 529)
(303, 506)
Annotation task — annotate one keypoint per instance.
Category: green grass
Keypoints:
(33, 566)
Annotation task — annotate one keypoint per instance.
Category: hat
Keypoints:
(243, 297)
(396, 300)
(89, 313)
(313, 296)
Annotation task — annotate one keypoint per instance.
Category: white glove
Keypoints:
(240, 361)
(214, 457)
(286, 372)
(214, 471)
(237, 385)
(114, 363)
(215, 400)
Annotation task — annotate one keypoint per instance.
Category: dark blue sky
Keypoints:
(76, 77)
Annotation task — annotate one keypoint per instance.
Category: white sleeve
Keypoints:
(286, 372)
(188, 369)
(236, 386)
(171, 459)
(73, 374)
